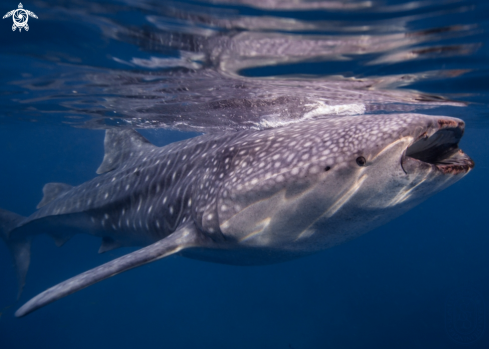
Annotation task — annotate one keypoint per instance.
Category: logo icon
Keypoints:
(20, 17)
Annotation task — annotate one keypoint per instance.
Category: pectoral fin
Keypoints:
(183, 238)
(108, 244)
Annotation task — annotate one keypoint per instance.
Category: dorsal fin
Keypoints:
(53, 191)
(108, 244)
(119, 144)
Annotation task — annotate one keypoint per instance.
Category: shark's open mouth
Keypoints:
(440, 150)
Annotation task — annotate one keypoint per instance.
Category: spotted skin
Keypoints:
(249, 197)
(157, 189)
(151, 192)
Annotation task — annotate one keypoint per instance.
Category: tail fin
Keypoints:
(20, 248)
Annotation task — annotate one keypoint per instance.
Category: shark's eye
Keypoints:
(361, 161)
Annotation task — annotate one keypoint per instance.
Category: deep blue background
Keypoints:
(387, 289)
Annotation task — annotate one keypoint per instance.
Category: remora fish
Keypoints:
(250, 197)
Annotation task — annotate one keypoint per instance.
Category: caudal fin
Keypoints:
(20, 248)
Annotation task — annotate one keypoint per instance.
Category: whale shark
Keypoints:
(249, 197)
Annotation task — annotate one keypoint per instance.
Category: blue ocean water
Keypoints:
(177, 69)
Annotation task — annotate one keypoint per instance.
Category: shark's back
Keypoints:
(141, 188)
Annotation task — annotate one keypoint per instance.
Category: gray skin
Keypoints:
(245, 198)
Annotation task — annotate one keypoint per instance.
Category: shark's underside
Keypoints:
(250, 197)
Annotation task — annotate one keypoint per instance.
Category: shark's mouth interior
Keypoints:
(441, 150)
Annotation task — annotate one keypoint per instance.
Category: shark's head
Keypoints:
(312, 185)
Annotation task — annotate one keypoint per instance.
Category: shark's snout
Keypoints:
(436, 148)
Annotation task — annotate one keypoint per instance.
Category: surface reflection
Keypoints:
(249, 64)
